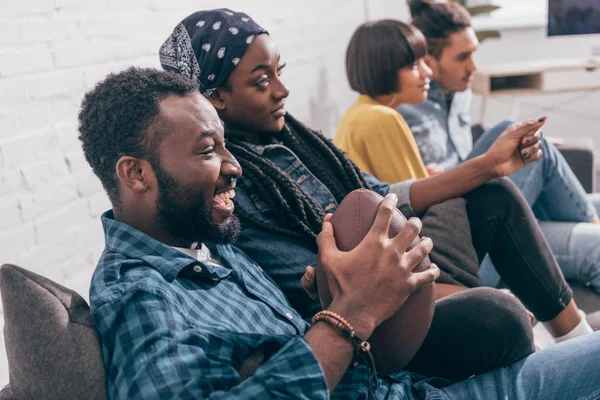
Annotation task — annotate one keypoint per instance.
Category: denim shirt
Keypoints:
(442, 131)
(282, 257)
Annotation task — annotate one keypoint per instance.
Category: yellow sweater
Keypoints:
(379, 141)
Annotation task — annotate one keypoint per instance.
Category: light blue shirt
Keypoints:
(442, 131)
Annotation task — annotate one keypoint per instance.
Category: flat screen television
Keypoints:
(573, 17)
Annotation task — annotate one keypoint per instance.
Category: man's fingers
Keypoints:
(325, 239)
(381, 226)
(309, 278)
(408, 233)
(418, 253)
(309, 283)
(418, 279)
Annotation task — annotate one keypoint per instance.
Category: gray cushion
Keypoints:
(53, 350)
(7, 394)
(447, 224)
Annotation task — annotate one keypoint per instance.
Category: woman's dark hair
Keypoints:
(295, 212)
(377, 51)
(120, 116)
(438, 21)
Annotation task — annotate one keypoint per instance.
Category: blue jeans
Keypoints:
(555, 194)
(576, 247)
(549, 185)
(569, 370)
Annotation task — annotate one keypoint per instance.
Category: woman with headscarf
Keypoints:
(293, 176)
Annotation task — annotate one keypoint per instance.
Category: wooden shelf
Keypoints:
(527, 78)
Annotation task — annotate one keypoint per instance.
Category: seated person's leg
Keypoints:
(503, 225)
(549, 185)
(483, 143)
(465, 336)
(576, 249)
(569, 370)
(562, 197)
(473, 332)
(575, 246)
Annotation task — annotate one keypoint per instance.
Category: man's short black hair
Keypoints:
(438, 21)
(377, 51)
(120, 116)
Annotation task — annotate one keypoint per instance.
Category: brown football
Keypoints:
(394, 342)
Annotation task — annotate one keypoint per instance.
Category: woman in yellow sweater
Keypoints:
(385, 64)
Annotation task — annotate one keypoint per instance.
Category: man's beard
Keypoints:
(181, 211)
(450, 83)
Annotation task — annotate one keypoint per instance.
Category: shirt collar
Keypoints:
(124, 239)
(436, 94)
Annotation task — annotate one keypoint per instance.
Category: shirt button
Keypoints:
(301, 179)
(197, 268)
(329, 207)
(289, 315)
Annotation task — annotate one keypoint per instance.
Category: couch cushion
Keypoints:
(6, 394)
(53, 350)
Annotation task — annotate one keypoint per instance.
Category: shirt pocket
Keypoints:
(309, 184)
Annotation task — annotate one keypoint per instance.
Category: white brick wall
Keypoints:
(52, 51)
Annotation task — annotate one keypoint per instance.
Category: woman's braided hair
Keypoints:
(296, 213)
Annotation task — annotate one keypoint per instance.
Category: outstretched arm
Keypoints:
(518, 146)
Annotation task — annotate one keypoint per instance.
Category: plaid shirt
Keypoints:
(442, 131)
(174, 328)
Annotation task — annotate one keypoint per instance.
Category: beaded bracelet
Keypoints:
(362, 348)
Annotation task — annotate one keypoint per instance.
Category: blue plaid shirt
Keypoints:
(175, 328)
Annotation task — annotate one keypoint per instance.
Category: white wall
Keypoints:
(523, 28)
(52, 51)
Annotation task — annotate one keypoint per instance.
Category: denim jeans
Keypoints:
(549, 185)
(503, 226)
(554, 193)
(569, 370)
(576, 247)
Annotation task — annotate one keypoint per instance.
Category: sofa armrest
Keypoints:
(580, 158)
(7, 394)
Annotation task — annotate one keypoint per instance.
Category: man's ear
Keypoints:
(217, 99)
(135, 174)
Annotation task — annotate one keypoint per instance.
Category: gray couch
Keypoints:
(53, 350)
